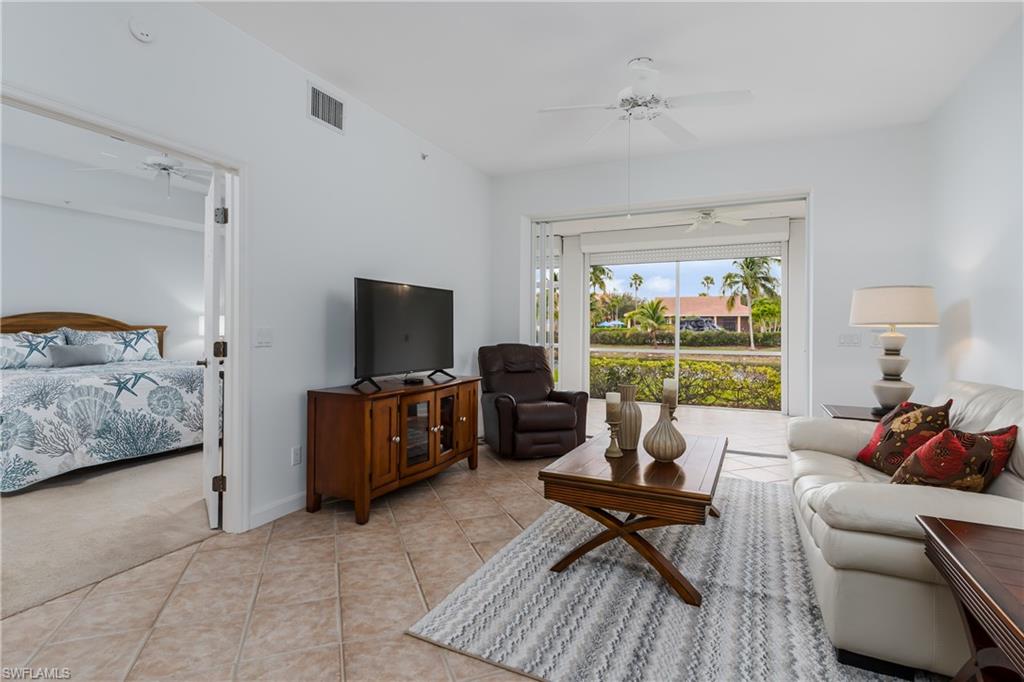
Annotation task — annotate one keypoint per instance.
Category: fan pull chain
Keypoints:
(629, 165)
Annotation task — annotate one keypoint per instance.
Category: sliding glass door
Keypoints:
(714, 323)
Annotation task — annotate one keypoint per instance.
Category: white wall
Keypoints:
(321, 208)
(63, 259)
(975, 231)
(868, 210)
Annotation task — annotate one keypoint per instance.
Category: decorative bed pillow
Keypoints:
(905, 429)
(127, 346)
(955, 459)
(76, 356)
(26, 349)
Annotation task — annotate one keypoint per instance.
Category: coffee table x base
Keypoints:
(628, 530)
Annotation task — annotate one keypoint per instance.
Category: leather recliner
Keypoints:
(524, 417)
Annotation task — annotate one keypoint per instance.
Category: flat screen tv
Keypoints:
(401, 328)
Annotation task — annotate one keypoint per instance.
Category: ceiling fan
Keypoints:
(641, 100)
(709, 216)
(166, 165)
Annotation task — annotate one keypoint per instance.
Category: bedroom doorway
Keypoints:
(123, 244)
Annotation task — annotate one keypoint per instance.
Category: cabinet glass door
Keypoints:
(417, 434)
(446, 416)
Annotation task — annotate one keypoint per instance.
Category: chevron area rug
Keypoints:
(611, 617)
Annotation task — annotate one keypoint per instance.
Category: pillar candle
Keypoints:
(613, 406)
(670, 391)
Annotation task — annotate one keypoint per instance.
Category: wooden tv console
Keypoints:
(363, 443)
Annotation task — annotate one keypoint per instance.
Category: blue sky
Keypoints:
(660, 278)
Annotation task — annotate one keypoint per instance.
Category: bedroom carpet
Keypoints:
(612, 617)
(88, 525)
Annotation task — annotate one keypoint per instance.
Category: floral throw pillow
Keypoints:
(26, 349)
(127, 346)
(905, 429)
(955, 459)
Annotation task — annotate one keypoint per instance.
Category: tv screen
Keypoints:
(402, 328)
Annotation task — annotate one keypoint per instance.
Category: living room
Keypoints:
(693, 535)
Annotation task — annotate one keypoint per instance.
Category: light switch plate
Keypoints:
(264, 337)
(849, 340)
(296, 455)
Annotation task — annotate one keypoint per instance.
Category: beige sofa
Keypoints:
(879, 594)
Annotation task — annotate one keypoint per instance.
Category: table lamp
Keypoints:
(892, 307)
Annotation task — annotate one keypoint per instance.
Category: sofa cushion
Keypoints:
(984, 407)
(957, 459)
(899, 433)
(545, 415)
(892, 509)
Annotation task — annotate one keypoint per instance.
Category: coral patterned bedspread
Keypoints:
(54, 420)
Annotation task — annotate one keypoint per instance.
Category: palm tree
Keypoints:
(752, 279)
(599, 276)
(636, 280)
(707, 282)
(650, 316)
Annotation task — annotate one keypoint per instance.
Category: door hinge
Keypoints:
(220, 349)
(220, 215)
(220, 484)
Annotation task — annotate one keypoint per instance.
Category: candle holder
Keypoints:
(613, 449)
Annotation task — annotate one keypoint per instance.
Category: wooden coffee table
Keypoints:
(652, 493)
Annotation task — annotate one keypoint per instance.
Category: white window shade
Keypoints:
(723, 252)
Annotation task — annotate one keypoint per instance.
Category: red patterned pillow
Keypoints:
(954, 459)
(905, 429)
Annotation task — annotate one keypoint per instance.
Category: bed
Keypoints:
(59, 419)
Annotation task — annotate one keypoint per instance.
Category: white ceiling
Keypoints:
(470, 76)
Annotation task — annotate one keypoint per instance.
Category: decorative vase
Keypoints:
(664, 442)
(631, 419)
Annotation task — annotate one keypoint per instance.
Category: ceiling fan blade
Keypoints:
(198, 179)
(599, 131)
(738, 222)
(574, 107)
(671, 129)
(710, 99)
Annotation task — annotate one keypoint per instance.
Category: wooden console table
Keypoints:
(363, 443)
(984, 566)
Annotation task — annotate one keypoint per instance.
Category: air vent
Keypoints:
(326, 109)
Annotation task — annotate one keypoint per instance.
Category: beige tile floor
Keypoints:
(311, 596)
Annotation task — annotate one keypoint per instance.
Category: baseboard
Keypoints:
(875, 665)
(276, 509)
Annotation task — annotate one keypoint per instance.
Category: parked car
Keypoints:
(697, 324)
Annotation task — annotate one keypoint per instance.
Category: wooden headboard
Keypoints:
(38, 323)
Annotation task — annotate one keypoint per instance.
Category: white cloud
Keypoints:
(663, 286)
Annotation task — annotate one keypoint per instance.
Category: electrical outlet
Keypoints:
(849, 340)
(296, 455)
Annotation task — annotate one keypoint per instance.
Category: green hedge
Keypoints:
(663, 337)
(701, 382)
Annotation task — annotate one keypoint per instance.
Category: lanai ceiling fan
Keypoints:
(167, 166)
(710, 216)
(643, 101)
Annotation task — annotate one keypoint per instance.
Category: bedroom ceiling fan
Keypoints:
(708, 217)
(643, 101)
(168, 167)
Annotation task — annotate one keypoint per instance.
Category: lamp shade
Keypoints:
(899, 306)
